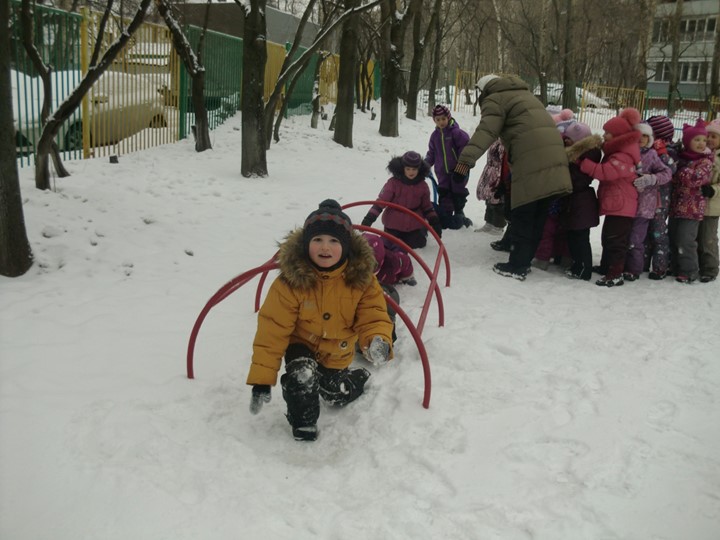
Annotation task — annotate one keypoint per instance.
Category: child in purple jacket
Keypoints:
(406, 187)
(446, 143)
(655, 173)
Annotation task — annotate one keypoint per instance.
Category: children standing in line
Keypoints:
(579, 210)
(657, 241)
(708, 234)
(446, 143)
(654, 174)
(617, 194)
(687, 205)
(325, 299)
(406, 187)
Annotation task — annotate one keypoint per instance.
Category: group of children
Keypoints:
(660, 199)
(327, 304)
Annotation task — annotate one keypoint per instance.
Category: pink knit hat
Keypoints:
(564, 115)
(713, 126)
(623, 123)
(690, 132)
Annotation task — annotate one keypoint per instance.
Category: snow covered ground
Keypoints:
(559, 410)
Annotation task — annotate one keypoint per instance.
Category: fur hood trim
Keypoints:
(582, 146)
(397, 169)
(299, 273)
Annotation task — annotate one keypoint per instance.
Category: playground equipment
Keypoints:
(415, 330)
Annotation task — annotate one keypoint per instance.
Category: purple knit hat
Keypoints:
(577, 131)
(412, 159)
(441, 110)
(690, 132)
(662, 127)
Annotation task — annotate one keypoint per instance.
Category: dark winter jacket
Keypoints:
(668, 155)
(535, 150)
(579, 210)
(687, 200)
(327, 311)
(412, 194)
(443, 150)
(616, 173)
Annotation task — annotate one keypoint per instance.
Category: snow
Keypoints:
(559, 410)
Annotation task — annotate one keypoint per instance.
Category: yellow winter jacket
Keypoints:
(327, 311)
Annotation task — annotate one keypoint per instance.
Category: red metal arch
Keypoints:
(415, 331)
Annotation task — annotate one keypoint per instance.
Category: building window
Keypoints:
(697, 29)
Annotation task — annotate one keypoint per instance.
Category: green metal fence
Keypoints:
(56, 36)
(222, 58)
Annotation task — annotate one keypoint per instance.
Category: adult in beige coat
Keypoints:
(538, 162)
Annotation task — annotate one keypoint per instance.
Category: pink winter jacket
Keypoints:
(616, 173)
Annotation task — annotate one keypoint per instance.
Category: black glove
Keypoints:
(707, 191)
(458, 178)
(462, 169)
(260, 396)
(368, 220)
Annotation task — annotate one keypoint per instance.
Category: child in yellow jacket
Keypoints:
(325, 300)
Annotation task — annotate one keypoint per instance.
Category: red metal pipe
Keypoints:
(433, 277)
(420, 346)
(222, 293)
(442, 252)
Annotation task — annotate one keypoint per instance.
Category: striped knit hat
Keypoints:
(662, 127)
(441, 110)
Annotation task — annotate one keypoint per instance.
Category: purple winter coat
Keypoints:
(443, 150)
(579, 210)
(412, 194)
(649, 197)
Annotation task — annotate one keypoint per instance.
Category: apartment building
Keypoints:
(699, 24)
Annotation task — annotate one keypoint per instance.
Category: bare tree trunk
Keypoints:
(394, 24)
(193, 64)
(569, 82)
(647, 10)
(288, 95)
(419, 40)
(502, 51)
(45, 71)
(437, 52)
(254, 159)
(347, 76)
(67, 107)
(291, 66)
(15, 253)
(675, 59)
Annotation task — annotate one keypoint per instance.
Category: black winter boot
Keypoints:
(341, 386)
(300, 391)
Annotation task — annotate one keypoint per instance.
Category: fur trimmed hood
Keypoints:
(397, 169)
(299, 273)
(582, 146)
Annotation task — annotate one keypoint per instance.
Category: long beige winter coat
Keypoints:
(535, 148)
